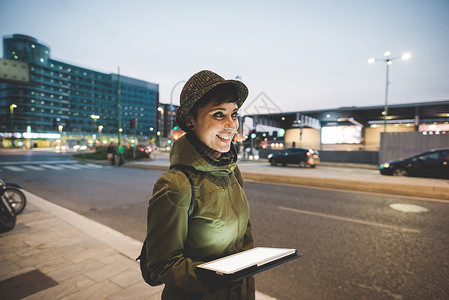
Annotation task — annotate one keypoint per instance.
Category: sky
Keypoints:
(296, 55)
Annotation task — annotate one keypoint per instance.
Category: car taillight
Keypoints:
(309, 154)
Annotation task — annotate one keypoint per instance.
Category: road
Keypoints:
(354, 245)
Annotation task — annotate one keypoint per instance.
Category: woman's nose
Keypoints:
(229, 123)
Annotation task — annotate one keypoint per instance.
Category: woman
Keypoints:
(178, 240)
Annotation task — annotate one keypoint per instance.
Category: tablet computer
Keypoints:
(247, 263)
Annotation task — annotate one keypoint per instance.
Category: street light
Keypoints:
(160, 125)
(95, 118)
(388, 61)
(11, 113)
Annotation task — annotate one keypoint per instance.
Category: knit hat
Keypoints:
(198, 85)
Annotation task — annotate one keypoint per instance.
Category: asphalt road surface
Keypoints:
(354, 245)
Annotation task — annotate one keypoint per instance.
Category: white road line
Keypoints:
(52, 167)
(349, 220)
(34, 168)
(37, 162)
(93, 166)
(12, 168)
(72, 167)
(81, 166)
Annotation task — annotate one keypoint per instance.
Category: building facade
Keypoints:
(48, 100)
(355, 134)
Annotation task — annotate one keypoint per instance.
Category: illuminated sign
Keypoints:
(341, 134)
(29, 135)
(433, 127)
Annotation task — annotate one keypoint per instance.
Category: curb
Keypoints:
(354, 185)
(433, 192)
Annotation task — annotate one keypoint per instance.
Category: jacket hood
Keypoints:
(184, 153)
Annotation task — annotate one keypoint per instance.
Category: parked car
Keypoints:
(433, 163)
(300, 156)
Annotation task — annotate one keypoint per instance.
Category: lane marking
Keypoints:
(52, 167)
(81, 166)
(12, 168)
(404, 207)
(34, 168)
(72, 167)
(93, 166)
(37, 162)
(349, 220)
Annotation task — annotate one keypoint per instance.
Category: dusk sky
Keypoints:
(303, 55)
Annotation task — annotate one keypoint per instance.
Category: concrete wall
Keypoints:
(311, 138)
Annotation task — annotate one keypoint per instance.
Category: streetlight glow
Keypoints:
(388, 61)
(406, 55)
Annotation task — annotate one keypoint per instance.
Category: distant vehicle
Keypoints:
(300, 156)
(433, 163)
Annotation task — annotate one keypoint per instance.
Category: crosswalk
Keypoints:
(49, 165)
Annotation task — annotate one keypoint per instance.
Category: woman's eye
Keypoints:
(218, 115)
(234, 115)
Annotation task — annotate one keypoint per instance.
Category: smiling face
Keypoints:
(215, 125)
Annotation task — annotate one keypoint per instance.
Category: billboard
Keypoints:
(341, 134)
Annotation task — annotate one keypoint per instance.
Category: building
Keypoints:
(45, 101)
(349, 132)
(167, 127)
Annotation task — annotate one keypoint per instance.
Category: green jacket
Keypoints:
(219, 225)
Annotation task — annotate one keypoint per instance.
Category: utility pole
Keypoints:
(135, 139)
(119, 120)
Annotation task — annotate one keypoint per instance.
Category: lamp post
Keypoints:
(160, 125)
(95, 118)
(11, 114)
(171, 110)
(388, 61)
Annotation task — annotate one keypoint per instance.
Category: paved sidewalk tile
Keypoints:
(83, 266)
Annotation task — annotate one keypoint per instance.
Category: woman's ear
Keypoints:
(190, 122)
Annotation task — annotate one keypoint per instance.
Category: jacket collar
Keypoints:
(188, 151)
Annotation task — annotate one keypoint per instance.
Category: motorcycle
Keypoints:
(7, 213)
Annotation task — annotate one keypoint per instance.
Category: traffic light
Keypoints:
(132, 123)
(253, 134)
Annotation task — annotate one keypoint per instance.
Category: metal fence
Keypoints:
(394, 145)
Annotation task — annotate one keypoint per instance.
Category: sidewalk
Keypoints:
(354, 177)
(55, 253)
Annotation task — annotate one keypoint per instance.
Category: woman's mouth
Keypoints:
(225, 136)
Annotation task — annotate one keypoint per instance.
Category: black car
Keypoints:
(300, 156)
(433, 163)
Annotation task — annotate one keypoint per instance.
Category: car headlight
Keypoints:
(385, 166)
(270, 155)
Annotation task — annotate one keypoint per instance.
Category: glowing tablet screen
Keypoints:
(254, 257)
